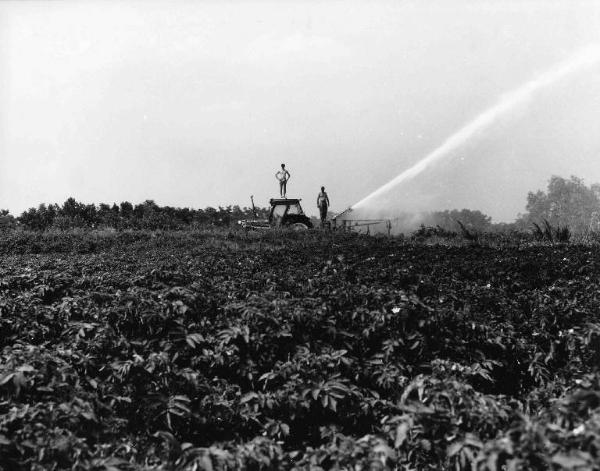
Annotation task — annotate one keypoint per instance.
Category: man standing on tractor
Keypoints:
(323, 205)
(283, 176)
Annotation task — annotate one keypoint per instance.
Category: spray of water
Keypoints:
(583, 59)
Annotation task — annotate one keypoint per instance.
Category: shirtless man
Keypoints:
(323, 205)
(283, 176)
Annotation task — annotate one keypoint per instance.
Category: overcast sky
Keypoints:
(197, 103)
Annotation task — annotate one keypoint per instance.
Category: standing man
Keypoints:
(283, 176)
(323, 205)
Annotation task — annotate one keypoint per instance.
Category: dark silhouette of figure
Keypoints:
(323, 205)
(283, 176)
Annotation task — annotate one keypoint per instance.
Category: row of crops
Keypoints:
(300, 351)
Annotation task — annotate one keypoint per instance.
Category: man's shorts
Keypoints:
(323, 211)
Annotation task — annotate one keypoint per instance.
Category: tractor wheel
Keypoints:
(297, 222)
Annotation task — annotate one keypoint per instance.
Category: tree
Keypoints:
(147, 215)
(126, 209)
(71, 208)
(108, 216)
(7, 221)
(565, 202)
(471, 219)
(89, 214)
(29, 218)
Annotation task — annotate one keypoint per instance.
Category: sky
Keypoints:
(197, 103)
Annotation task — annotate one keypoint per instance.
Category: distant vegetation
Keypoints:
(147, 215)
(566, 205)
(451, 220)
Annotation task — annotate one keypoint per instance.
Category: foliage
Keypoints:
(147, 215)
(7, 221)
(551, 234)
(263, 351)
(472, 220)
(466, 233)
(567, 202)
(425, 232)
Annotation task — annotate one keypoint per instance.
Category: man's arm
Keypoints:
(327, 198)
(288, 175)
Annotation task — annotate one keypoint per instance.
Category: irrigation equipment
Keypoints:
(344, 221)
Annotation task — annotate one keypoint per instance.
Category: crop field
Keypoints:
(226, 351)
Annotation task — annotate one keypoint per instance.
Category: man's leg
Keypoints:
(281, 188)
(284, 184)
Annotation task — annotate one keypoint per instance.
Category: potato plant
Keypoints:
(221, 351)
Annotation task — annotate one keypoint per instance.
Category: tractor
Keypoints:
(285, 212)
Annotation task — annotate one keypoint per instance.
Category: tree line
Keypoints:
(147, 215)
(566, 202)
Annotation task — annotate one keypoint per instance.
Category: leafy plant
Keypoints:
(216, 350)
